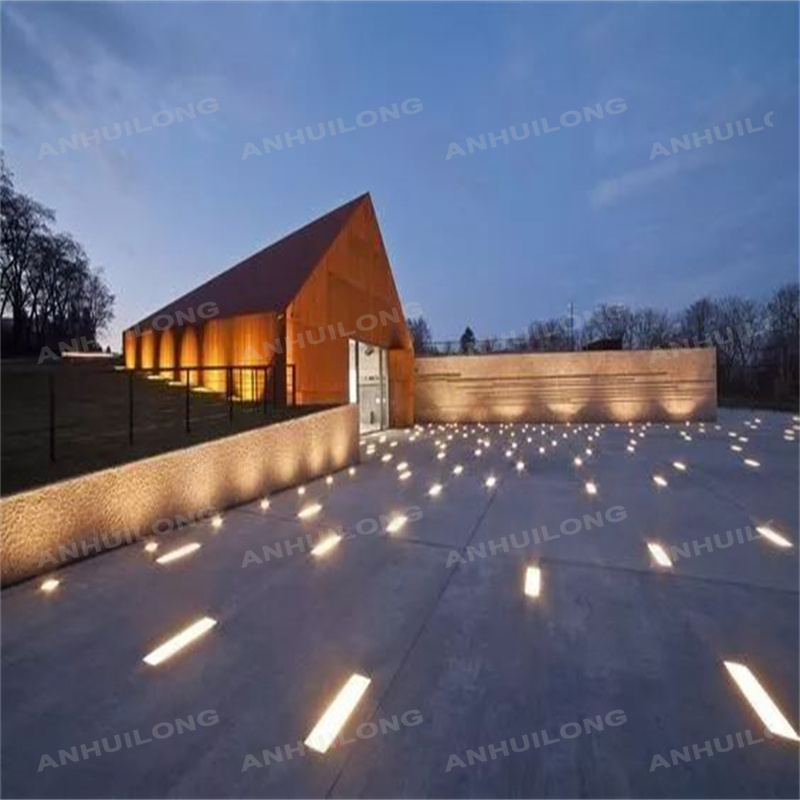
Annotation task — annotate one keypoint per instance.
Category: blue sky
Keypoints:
(495, 238)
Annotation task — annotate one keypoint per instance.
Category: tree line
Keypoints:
(49, 293)
(756, 342)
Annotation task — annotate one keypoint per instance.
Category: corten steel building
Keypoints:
(320, 306)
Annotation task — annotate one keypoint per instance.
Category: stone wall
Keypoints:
(218, 474)
(601, 386)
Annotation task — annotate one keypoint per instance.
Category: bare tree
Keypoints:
(420, 334)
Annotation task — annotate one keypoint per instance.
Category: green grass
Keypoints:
(92, 421)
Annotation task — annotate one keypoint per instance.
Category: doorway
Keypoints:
(369, 385)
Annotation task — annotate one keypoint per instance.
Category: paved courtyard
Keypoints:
(589, 686)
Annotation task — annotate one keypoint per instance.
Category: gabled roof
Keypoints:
(271, 278)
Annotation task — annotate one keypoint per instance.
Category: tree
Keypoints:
(697, 323)
(609, 321)
(420, 334)
(467, 341)
(649, 329)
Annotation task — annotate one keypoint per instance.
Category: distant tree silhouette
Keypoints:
(467, 341)
(420, 334)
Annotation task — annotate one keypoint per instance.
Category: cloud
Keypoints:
(613, 190)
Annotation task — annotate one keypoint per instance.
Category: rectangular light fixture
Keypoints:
(180, 552)
(396, 524)
(435, 490)
(326, 545)
(178, 642)
(772, 536)
(659, 554)
(404, 476)
(337, 714)
(50, 585)
(591, 488)
(679, 465)
(491, 481)
(751, 462)
(533, 581)
(309, 511)
(760, 701)
(659, 481)
(458, 469)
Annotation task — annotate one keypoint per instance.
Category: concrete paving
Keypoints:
(592, 688)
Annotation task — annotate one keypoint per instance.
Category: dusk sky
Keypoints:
(493, 239)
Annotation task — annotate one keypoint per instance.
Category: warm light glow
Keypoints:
(309, 511)
(760, 701)
(329, 480)
(533, 581)
(264, 504)
(491, 481)
(50, 585)
(458, 469)
(630, 449)
(402, 465)
(435, 490)
(301, 490)
(658, 480)
(577, 461)
(326, 545)
(541, 451)
(404, 476)
(773, 536)
(178, 642)
(478, 452)
(351, 471)
(387, 457)
(751, 462)
(337, 714)
(151, 547)
(659, 554)
(179, 552)
(396, 524)
(591, 488)
(736, 448)
(679, 465)
(216, 522)
(441, 455)
(520, 466)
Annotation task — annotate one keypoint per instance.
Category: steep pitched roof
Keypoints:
(271, 278)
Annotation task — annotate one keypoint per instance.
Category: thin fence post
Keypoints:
(52, 392)
(264, 392)
(230, 395)
(294, 386)
(130, 406)
(188, 394)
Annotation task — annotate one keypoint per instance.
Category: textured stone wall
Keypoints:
(613, 386)
(218, 474)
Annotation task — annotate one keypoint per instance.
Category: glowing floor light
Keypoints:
(50, 585)
(387, 457)
(326, 545)
(402, 465)
(631, 449)
(396, 523)
(301, 490)
(458, 469)
(491, 481)
(658, 480)
(760, 701)
(216, 522)
(478, 452)
(577, 461)
(264, 503)
(179, 552)
(351, 471)
(736, 448)
(659, 554)
(441, 455)
(151, 547)
(541, 451)
(751, 462)
(533, 581)
(773, 536)
(591, 487)
(679, 465)
(329, 480)
(520, 466)
(404, 476)
(337, 714)
(435, 490)
(309, 511)
(179, 641)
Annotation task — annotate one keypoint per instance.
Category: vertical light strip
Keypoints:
(659, 554)
(760, 701)
(337, 714)
(533, 581)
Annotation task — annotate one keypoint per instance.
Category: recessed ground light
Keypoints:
(520, 466)
(404, 476)
(441, 455)
(491, 481)
(577, 461)
(329, 480)
(736, 448)
(264, 503)
(216, 521)
(435, 490)
(588, 451)
(631, 449)
(533, 581)
(743, 439)
(393, 444)
(751, 462)
(301, 490)
(458, 469)
(658, 480)
(402, 465)
(387, 457)
(179, 552)
(382, 439)
(337, 714)
(541, 451)
(151, 547)
(688, 438)
(591, 488)
(396, 523)
(326, 545)
(760, 701)
(659, 554)
(309, 511)
(679, 465)
(478, 452)
(773, 536)
(179, 641)
(50, 585)
(351, 471)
